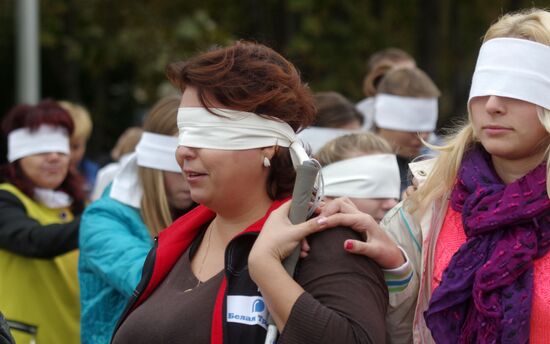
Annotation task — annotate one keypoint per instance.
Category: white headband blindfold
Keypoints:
(513, 68)
(158, 152)
(369, 176)
(317, 137)
(235, 130)
(46, 139)
(153, 151)
(405, 113)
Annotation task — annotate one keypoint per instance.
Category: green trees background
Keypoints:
(110, 55)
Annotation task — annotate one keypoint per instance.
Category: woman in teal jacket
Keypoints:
(117, 231)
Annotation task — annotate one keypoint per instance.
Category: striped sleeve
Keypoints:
(397, 279)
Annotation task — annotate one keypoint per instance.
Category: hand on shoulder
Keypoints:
(279, 236)
(377, 245)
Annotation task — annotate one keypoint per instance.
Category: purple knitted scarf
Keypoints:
(485, 292)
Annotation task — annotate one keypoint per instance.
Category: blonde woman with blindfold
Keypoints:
(216, 272)
(362, 167)
(477, 232)
(117, 230)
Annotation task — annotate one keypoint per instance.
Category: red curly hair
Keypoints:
(32, 117)
(251, 77)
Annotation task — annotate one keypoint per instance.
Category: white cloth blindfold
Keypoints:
(369, 176)
(236, 130)
(23, 142)
(405, 113)
(153, 151)
(158, 152)
(513, 68)
(317, 137)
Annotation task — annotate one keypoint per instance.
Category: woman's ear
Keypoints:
(268, 152)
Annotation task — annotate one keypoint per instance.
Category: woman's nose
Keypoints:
(54, 155)
(185, 153)
(495, 105)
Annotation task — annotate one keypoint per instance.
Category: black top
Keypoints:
(178, 311)
(25, 236)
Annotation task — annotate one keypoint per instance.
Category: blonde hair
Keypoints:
(126, 142)
(155, 210)
(342, 147)
(81, 119)
(533, 25)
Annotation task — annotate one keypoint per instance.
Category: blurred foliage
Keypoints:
(111, 55)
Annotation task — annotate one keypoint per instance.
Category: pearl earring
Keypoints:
(267, 163)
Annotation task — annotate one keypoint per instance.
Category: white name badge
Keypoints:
(247, 310)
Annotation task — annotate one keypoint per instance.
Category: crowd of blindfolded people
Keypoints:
(411, 237)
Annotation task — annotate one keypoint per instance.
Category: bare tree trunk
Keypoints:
(377, 8)
(428, 28)
(460, 77)
(515, 5)
(281, 23)
(71, 76)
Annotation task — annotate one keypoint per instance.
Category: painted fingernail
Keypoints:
(322, 220)
(349, 245)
